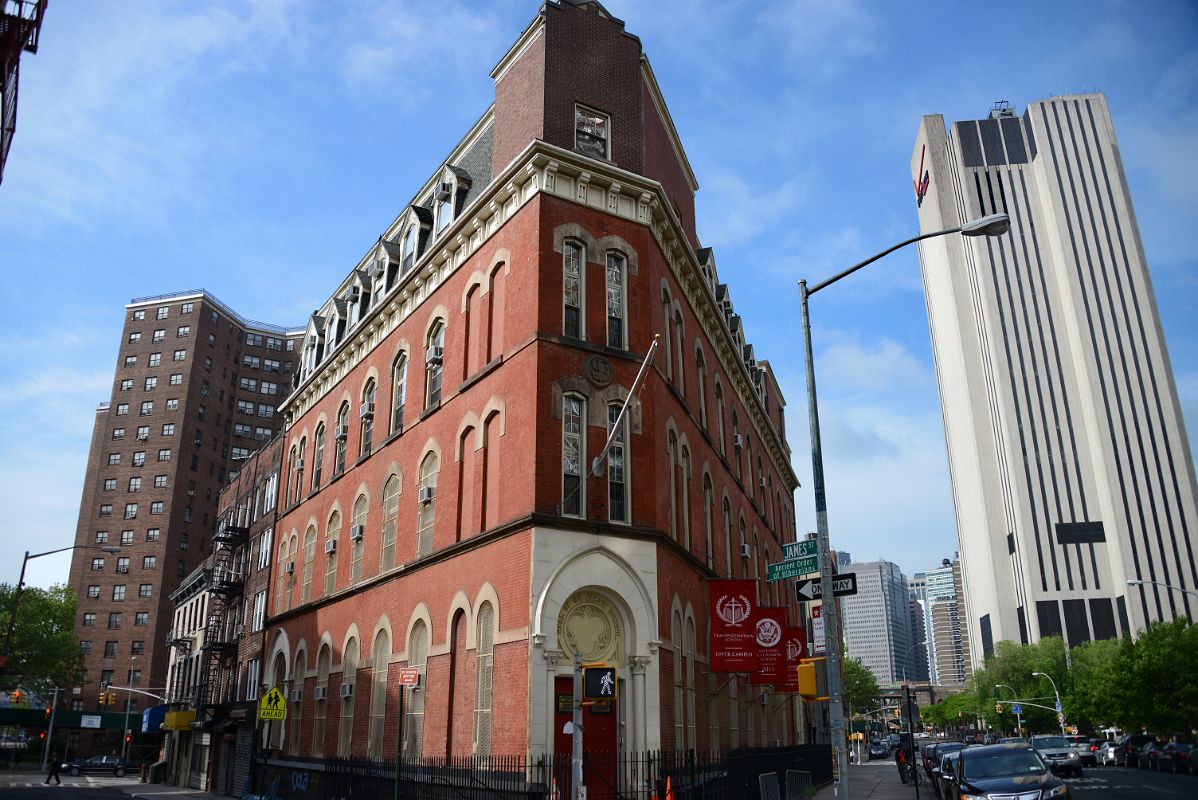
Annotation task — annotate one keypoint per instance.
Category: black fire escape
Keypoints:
(20, 26)
(224, 626)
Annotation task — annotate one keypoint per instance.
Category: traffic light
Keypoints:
(112, 698)
(16, 697)
(42, 735)
(49, 711)
(128, 738)
(898, 712)
(998, 708)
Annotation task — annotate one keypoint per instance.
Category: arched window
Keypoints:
(617, 477)
(279, 682)
(667, 318)
(295, 710)
(616, 288)
(684, 496)
(366, 414)
(318, 456)
(573, 290)
(342, 433)
(672, 459)
(281, 589)
(573, 454)
(737, 443)
(688, 647)
(349, 677)
(679, 349)
(309, 563)
(380, 662)
(719, 416)
(727, 537)
(679, 709)
(333, 533)
(484, 660)
(390, 523)
(701, 377)
(426, 502)
(708, 510)
(399, 391)
(298, 485)
(414, 724)
(292, 475)
(357, 533)
(745, 566)
(434, 356)
(323, 662)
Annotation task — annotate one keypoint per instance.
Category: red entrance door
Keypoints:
(600, 743)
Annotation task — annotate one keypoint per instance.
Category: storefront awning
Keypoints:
(152, 717)
(178, 720)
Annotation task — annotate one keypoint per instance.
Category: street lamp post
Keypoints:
(924, 643)
(20, 589)
(1060, 708)
(128, 703)
(1019, 713)
(1163, 585)
(993, 225)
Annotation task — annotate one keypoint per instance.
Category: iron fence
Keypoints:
(686, 775)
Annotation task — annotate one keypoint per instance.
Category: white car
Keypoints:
(1106, 754)
(1058, 754)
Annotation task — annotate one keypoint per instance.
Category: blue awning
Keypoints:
(152, 717)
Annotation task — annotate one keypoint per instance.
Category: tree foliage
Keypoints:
(1145, 683)
(860, 687)
(45, 652)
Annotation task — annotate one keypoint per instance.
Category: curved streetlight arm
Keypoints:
(877, 256)
(1163, 586)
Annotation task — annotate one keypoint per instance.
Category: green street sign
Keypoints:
(792, 569)
(797, 550)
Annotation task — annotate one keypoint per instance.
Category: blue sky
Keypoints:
(257, 149)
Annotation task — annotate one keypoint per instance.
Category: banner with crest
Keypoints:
(769, 627)
(794, 642)
(733, 645)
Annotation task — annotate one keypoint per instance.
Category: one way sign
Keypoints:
(842, 584)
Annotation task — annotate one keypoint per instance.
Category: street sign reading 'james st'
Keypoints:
(842, 584)
(793, 551)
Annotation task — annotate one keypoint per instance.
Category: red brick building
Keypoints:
(438, 507)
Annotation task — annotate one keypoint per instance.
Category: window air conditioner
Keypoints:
(143, 437)
(320, 692)
(299, 464)
(745, 552)
(426, 494)
(738, 441)
(445, 191)
(291, 566)
(366, 411)
(330, 546)
(191, 492)
(297, 695)
(434, 354)
(77, 690)
(357, 532)
(347, 690)
(340, 432)
(762, 479)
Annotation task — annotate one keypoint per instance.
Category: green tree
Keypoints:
(45, 652)
(1091, 701)
(951, 713)
(859, 685)
(1154, 685)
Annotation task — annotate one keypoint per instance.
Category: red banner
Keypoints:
(794, 643)
(732, 607)
(770, 627)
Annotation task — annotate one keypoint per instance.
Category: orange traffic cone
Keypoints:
(669, 789)
(553, 795)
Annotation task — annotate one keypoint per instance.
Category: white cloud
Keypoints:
(738, 209)
(822, 36)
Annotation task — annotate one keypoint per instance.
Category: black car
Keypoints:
(1004, 770)
(878, 750)
(100, 764)
(1128, 745)
(938, 758)
(1175, 757)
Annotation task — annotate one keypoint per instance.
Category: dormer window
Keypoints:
(591, 132)
(409, 248)
(444, 198)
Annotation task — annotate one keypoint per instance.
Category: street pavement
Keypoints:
(879, 780)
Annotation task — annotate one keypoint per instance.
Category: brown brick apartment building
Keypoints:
(197, 389)
(439, 509)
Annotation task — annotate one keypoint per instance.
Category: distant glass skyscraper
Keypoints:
(877, 622)
(1071, 471)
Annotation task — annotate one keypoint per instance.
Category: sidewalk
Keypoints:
(130, 786)
(877, 780)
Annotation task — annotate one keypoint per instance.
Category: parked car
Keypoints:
(1128, 744)
(1004, 770)
(1145, 757)
(878, 750)
(1176, 757)
(935, 761)
(98, 765)
(1058, 754)
(1085, 750)
(944, 772)
(1106, 754)
(1012, 740)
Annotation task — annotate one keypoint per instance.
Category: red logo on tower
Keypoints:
(922, 179)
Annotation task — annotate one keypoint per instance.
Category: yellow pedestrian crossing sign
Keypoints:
(272, 705)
